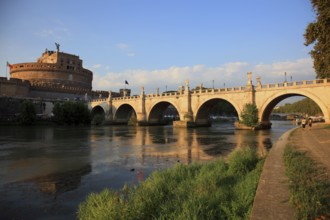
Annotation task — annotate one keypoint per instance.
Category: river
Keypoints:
(47, 171)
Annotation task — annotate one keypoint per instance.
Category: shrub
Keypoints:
(71, 113)
(250, 115)
(28, 113)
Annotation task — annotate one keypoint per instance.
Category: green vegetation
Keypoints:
(132, 119)
(214, 190)
(98, 119)
(28, 113)
(71, 113)
(318, 33)
(309, 187)
(305, 106)
(250, 115)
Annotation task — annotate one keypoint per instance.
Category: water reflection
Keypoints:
(46, 172)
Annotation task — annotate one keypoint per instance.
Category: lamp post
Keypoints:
(285, 76)
(213, 83)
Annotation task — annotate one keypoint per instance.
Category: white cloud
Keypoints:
(57, 33)
(96, 66)
(301, 69)
(126, 49)
(122, 46)
(229, 74)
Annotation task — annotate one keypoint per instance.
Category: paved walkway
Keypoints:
(272, 196)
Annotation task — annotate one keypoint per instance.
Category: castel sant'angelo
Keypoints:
(55, 75)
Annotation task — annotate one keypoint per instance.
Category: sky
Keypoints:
(163, 43)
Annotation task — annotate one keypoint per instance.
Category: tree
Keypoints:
(250, 115)
(318, 32)
(28, 113)
(305, 106)
(71, 113)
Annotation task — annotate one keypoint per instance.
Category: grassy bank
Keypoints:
(309, 186)
(214, 190)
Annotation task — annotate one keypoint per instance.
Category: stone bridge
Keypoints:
(193, 106)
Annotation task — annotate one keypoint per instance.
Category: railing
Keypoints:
(298, 83)
(225, 90)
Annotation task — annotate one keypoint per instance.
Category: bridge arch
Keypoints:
(155, 115)
(201, 116)
(124, 113)
(266, 109)
(97, 110)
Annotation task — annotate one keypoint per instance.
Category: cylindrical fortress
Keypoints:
(55, 70)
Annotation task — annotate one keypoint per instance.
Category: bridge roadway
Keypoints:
(193, 106)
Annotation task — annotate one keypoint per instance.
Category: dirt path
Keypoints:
(272, 197)
(316, 142)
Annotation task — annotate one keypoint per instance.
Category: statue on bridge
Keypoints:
(249, 82)
(57, 47)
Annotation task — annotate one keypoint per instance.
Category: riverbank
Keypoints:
(272, 197)
(213, 190)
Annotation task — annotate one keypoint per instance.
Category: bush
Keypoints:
(196, 191)
(71, 113)
(28, 113)
(98, 119)
(250, 115)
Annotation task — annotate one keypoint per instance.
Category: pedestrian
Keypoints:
(303, 123)
(310, 122)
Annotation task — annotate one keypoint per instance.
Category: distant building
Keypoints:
(55, 75)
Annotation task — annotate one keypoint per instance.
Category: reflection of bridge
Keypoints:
(194, 106)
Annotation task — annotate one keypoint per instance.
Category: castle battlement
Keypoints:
(55, 70)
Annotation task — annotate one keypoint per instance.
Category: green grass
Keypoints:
(309, 186)
(214, 190)
(327, 127)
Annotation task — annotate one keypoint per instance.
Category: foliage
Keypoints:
(71, 113)
(318, 33)
(28, 113)
(250, 114)
(98, 119)
(214, 190)
(132, 119)
(308, 185)
(305, 106)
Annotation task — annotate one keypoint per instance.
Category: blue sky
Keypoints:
(162, 43)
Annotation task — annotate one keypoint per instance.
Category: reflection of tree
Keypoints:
(58, 183)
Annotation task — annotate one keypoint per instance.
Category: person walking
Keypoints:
(310, 122)
(303, 123)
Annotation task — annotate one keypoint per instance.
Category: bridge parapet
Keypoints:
(316, 82)
(99, 100)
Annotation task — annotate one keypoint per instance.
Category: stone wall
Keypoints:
(14, 87)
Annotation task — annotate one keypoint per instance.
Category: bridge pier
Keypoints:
(183, 124)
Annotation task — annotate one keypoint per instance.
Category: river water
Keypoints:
(45, 172)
